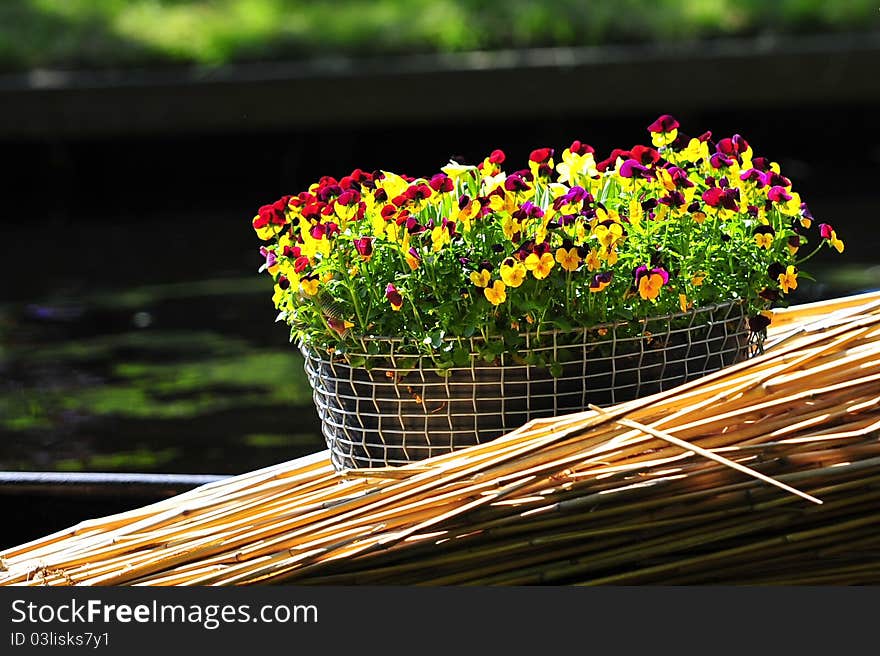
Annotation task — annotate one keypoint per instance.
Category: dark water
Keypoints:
(136, 334)
(101, 373)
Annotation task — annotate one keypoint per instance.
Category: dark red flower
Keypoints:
(579, 148)
(644, 155)
(349, 198)
(758, 322)
(541, 155)
(364, 247)
(301, 264)
(394, 297)
(515, 182)
(674, 199)
(418, 192)
(680, 177)
(825, 230)
(497, 156)
(733, 147)
(631, 168)
(774, 179)
(713, 196)
(605, 164)
(718, 197)
(441, 183)
(769, 294)
(717, 160)
(778, 195)
(326, 194)
(664, 123)
(775, 270)
(388, 211)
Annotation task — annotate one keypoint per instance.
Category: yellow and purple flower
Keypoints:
(828, 233)
(395, 298)
(600, 281)
(649, 282)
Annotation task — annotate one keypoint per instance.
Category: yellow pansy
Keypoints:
(764, 240)
(568, 259)
(696, 150)
(512, 273)
(309, 285)
(788, 280)
(609, 235)
(496, 294)
(540, 266)
(481, 278)
(393, 184)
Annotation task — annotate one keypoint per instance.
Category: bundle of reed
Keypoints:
(765, 472)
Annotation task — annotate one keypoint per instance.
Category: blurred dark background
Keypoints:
(139, 138)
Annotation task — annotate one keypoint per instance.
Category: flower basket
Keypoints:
(439, 312)
(394, 410)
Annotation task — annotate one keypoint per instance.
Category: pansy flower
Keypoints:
(395, 298)
(309, 284)
(568, 258)
(496, 294)
(413, 259)
(515, 182)
(664, 130)
(763, 236)
(441, 183)
(632, 168)
(788, 279)
(347, 205)
(541, 162)
(481, 278)
(364, 247)
(600, 281)
(759, 322)
(512, 272)
(271, 219)
(611, 161)
(576, 164)
(650, 281)
(828, 233)
(539, 265)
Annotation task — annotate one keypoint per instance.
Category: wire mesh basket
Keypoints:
(400, 408)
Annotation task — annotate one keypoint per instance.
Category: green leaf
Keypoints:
(461, 357)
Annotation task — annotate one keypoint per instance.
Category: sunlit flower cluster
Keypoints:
(568, 240)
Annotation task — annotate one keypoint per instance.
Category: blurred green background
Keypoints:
(110, 33)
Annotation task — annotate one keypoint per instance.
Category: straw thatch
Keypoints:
(766, 472)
